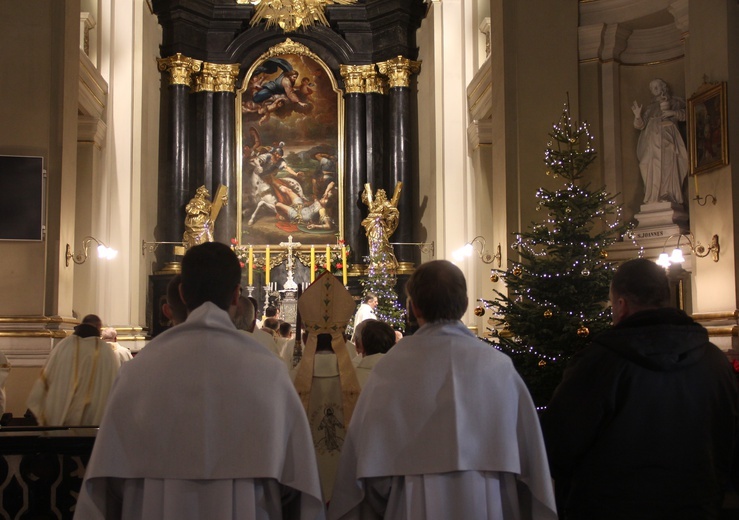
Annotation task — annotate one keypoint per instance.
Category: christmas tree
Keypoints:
(557, 296)
(380, 281)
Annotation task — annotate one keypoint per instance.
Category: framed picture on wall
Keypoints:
(290, 134)
(707, 128)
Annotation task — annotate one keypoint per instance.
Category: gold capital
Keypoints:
(398, 70)
(373, 83)
(353, 78)
(180, 68)
(216, 77)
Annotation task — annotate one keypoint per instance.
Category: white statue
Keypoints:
(663, 159)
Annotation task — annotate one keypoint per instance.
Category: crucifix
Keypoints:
(290, 284)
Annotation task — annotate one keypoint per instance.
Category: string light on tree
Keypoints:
(555, 297)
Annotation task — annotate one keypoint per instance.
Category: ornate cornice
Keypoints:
(290, 47)
(398, 71)
(180, 68)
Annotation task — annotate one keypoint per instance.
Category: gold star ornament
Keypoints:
(291, 15)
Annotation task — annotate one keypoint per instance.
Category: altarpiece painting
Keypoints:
(290, 131)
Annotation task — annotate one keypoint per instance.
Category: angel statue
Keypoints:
(201, 215)
(381, 223)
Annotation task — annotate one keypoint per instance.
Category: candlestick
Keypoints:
(266, 266)
(343, 264)
(251, 265)
(312, 263)
(328, 258)
(696, 186)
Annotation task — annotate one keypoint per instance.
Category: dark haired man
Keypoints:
(444, 427)
(189, 431)
(644, 422)
(375, 338)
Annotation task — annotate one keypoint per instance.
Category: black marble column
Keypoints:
(177, 183)
(175, 180)
(224, 170)
(399, 152)
(202, 142)
(376, 141)
(355, 176)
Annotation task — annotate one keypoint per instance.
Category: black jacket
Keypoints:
(644, 423)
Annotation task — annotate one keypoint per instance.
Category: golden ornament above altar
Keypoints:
(291, 15)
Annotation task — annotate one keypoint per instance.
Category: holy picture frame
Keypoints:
(290, 134)
(707, 128)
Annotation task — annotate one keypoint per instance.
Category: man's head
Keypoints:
(638, 285)
(286, 329)
(272, 324)
(254, 304)
(377, 337)
(89, 327)
(174, 309)
(437, 291)
(94, 320)
(210, 273)
(109, 334)
(370, 299)
(272, 312)
(358, 336)
(242, 314)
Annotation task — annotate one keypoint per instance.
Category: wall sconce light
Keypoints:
(485, 255)
(698, 250)
(79, 258)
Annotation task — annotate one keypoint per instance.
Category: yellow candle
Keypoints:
(343, 264)
(266, 265)
(251, 265)
(696, 185)
(312, 263)
(328, 257)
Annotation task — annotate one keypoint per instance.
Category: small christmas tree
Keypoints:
(558, 294)
(381, 281)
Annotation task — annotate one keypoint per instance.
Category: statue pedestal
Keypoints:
(658, 221)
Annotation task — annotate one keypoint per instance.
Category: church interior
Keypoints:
(120, 110)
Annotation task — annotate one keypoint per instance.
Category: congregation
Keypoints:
(438, 425)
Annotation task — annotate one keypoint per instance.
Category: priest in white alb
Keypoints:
(204, 422)
(73, 387)
(444, 427)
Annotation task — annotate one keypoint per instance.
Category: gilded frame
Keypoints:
(320, 129)
(707, 128)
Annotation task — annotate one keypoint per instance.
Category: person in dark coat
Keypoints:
(644, 422)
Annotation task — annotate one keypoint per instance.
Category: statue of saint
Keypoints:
(381, 223)
(663, 159)
(198, 223)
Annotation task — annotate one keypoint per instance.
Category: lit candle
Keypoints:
(266, 266)
(251, 265)
(312, 263)
(328, 257)
(696, 186)
(343, 264)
